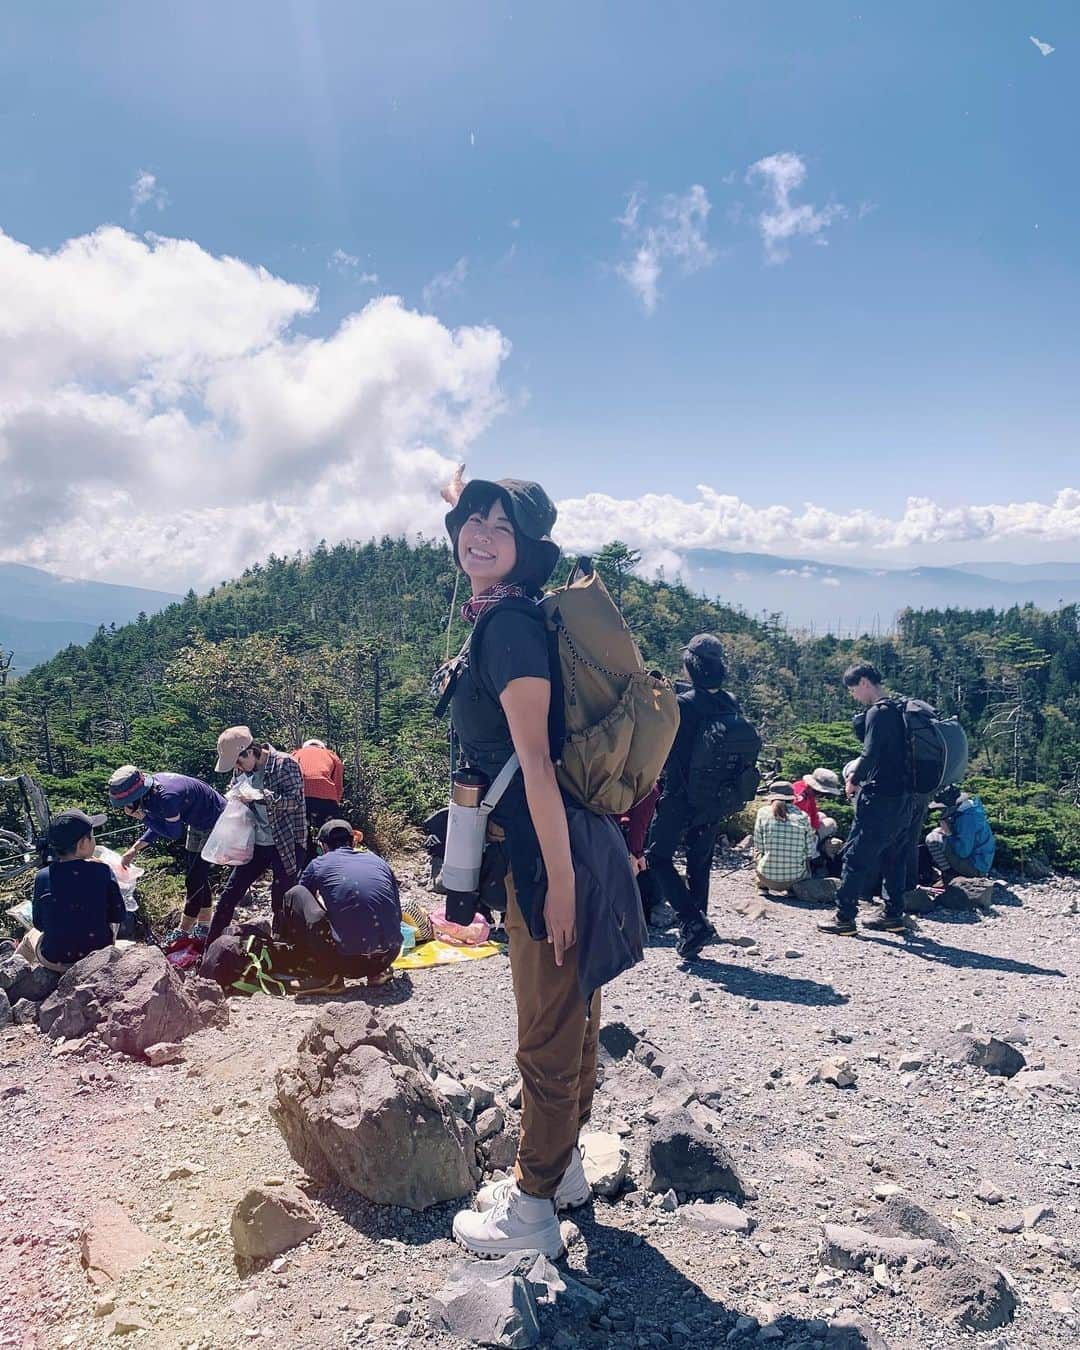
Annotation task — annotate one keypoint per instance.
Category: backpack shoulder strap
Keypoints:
(556, 710)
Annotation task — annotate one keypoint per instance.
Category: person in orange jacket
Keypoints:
(324, 786)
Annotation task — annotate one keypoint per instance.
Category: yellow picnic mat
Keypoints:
(437, 953)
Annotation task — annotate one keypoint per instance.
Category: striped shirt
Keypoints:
(783, 847)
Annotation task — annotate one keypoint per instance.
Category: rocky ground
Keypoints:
(176, 1147)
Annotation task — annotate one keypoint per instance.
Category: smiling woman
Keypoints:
(501, 702)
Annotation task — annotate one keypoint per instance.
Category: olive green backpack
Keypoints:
(612, 722)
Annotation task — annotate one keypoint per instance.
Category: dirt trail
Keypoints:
(749, 1022)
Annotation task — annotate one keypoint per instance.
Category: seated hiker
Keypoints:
(822, 782)
(784, 841)
(963, 844)
(273, 786)
(324, 786)
(171, 805)
(343, 918)
(77, 906)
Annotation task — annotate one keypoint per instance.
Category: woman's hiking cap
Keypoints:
(780, 791)
(128, 784)
(824, 780)
(66, 829)
(532, 513)
(230, 746)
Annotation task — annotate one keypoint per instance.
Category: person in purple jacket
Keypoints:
(171, 805)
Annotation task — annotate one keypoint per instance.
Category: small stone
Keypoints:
(988, 1193)
(885, 1190)
(1034, 1214)
(489, 1122)
(695, 995)
(669, 1202)
(104, 1306)
(125, 1320)
(164, 1052)
(401, 1317)
(483, 1094)
(182, 1171)
(838, 1070)
(792, 954)
(605, 1160)
(912, 1062)
(513, 1096)
(570, 1233)
(1010, 1223)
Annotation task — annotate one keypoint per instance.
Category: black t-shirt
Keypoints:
(74, 904)
(513, 646)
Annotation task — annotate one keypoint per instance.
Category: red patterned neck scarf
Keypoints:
(472, 609)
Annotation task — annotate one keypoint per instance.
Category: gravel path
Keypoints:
(749, 1021)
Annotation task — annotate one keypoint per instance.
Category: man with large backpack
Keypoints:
(877, 845)
(710, 773)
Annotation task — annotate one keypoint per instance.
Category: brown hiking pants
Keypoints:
(557, 1036)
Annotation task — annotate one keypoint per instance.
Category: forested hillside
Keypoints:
(342, 645)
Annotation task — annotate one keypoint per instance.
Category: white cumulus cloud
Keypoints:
(145, 191)
(662, 522)
(782, 220)
(673, 233)
(1044, 47)
(161, 418)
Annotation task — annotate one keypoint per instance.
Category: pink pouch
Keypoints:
(467, 935)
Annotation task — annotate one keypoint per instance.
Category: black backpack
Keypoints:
(937, 747)
(723, 773)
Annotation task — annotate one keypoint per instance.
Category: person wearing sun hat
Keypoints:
(821, 783)
(171, 806)
(273, 786)
(784, 840)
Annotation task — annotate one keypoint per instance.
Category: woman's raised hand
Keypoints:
(451, 493)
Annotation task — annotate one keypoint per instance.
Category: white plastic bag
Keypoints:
(127, 878)
(22, 914)
(232, 840)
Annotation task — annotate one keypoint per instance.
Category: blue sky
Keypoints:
(923, 340)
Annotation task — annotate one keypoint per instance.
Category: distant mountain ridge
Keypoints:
(41, 614)
(844, 599)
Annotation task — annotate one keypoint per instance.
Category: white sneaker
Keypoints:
(516, 1222)
(574, 1188)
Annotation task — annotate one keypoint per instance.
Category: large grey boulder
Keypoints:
(848, 1248)
(132, 998)
(357, 1108)
(683, 1156)
(6, 1015)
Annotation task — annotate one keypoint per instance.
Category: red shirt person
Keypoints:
(822, 782)
(324, 782)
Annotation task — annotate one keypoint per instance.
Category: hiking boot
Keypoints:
(839, 927)
(383, 977)
(174, 935)
(201, 931)
(574, 1188)
(886, 925)
(693, 937)
(516, 1222)
(316, 984)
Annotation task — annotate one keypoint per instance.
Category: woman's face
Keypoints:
(486, 548)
